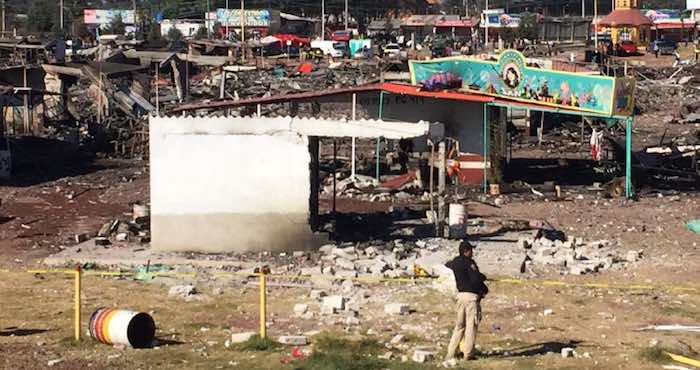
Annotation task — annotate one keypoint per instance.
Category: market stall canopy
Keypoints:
(625, 17)
(513, 79)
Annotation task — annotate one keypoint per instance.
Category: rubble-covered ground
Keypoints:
(525, 325)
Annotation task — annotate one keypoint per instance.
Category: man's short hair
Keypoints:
(465, 246)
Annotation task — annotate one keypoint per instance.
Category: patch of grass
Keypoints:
(332, 342)
(678, 311)
(258, 344)
(332, 352)
(654, 354)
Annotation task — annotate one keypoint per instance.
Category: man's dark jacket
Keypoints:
(467, 276)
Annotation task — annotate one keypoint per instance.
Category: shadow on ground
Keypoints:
(533, 349)
(17, 332)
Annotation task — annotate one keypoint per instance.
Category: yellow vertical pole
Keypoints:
(78, 274)
(263, 305)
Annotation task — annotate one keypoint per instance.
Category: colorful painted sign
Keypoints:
(253, 18)
(103, 17)
(510, 77)
(497, 18)
(669, 18)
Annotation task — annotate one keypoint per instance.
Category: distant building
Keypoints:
(668, 24)
(626, 23)
(96, 19)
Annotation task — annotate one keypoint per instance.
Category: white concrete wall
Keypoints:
(221, 192)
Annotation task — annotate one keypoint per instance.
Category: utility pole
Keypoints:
(243, 19)
(3, 16)
(583, 8)
(228, 18)
(323, 19)
(207, 20)
(466, 8)
(136, 32)
(346, 15)
(60, 11)
(595, 24)
(486, 26)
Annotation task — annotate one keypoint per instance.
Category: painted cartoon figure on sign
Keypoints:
(512, 77)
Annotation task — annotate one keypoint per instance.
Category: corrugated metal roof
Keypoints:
(386, 87)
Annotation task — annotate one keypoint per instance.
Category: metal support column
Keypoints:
(354, 141)
(486, 145)
(628, 158)
(381, 114)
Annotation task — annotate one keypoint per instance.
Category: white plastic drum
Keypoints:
(457, 220)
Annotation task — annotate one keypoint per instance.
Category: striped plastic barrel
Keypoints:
(125, 327)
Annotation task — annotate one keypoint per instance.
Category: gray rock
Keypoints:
(182, 291)
(567, 352)
(293, 340)
(397, 309)
(300, 309)
(423, 354)
(242, 337)
(336, 302)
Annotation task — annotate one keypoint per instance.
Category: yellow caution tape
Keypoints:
(684, 360)
(372, 279)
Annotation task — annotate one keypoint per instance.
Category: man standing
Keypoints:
(470, 290)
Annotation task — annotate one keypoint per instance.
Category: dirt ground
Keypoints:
(598, 323)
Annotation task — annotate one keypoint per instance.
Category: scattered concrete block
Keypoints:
(317, 294)
(352, 321)
(102, 241)
(386, 356)
(54, 362)
(182, 291)
(347, 286)
(336, 302)
(328, 270)
(300, 309)
(548, 311)
(79, 238)
(345, 264)
(397, 339)
(298, 254)
(397, 309)
(293, 340)
(633, 256)
(122, 237)
(371, 252)
(326, 249)
(242, 337)
(346, 273)
(567, 352)
(422, 355)
(311, 271)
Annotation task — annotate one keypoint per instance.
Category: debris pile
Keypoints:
(283, 80)
(366, 188)
(574, 256)
(655, 86)
(121, 230)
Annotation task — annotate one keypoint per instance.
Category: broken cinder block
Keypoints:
(397, 309)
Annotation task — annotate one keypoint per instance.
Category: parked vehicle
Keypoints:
(392, 50)
(627, 48)
(340, 50)
(343, 36)
(665, 46)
